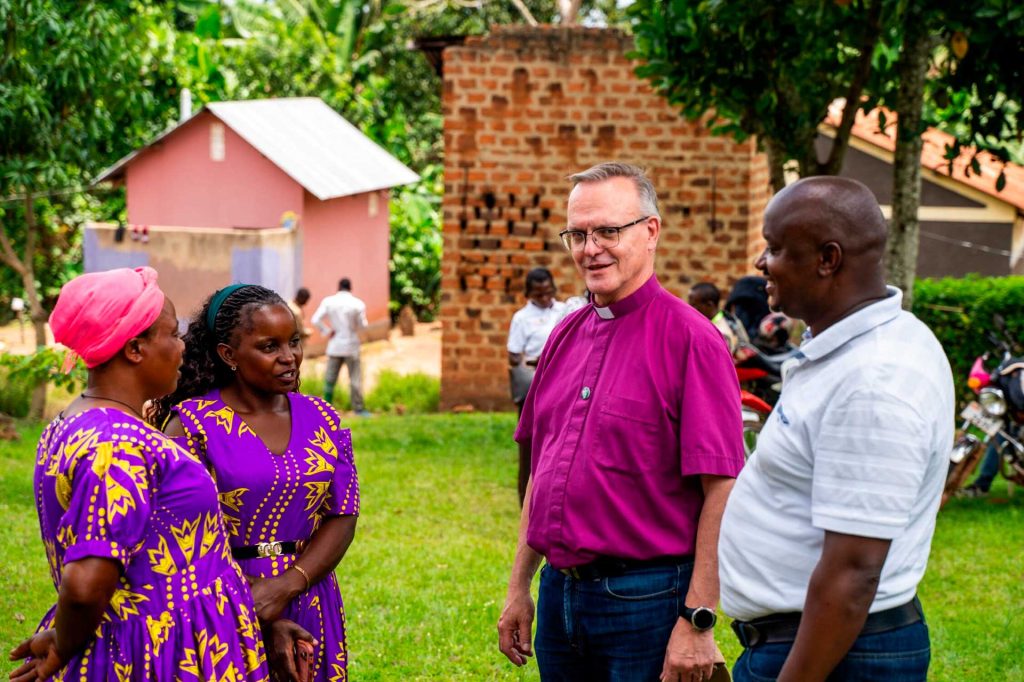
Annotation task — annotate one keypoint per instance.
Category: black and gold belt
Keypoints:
(263, 550)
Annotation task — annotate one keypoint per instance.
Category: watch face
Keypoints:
(703, 618)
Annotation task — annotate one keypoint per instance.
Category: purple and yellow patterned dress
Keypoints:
(266, 497)
(108, 485)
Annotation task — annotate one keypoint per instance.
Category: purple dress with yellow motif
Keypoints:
(267, 497)
(108, 485)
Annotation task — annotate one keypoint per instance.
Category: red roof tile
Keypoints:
(933, 154)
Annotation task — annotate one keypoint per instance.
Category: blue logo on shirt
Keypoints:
(782, 415)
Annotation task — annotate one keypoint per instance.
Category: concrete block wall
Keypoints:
(525, 107)
(195, 262)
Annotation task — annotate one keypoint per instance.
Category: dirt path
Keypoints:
(402, 354)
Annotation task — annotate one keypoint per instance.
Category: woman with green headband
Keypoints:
(283, 465)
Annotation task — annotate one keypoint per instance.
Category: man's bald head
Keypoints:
(825, 246)
(831, 209)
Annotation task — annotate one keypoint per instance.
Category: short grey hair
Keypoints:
(615, 169)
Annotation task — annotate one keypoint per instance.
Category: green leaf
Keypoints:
(209, 23)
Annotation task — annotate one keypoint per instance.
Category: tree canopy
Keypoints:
(84, 83)
(772, 70)
(76, 89)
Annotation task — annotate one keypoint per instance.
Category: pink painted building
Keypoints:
(280, 192)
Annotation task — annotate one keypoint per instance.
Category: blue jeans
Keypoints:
(989, 465)
(899, 655)
(613, 629)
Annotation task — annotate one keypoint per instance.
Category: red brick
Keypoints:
(544, 116)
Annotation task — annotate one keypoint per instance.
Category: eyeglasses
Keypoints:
(604, 237)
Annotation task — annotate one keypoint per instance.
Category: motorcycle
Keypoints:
(761, 373)
(997, 413)
(755, 413)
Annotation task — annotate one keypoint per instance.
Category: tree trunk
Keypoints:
(25, 267)
(37, 406)
(525, 11)
(569, 11)
(776, 164)
(904, 231)
(841, 142)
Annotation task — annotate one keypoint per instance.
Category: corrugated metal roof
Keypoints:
(310, 142)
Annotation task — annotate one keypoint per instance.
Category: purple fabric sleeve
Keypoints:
(109, 503)
(343, 494)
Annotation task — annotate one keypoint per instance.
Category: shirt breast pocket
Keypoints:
(629, 437)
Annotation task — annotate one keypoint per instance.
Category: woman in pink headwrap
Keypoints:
(130, 522)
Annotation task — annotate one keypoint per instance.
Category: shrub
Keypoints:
(416, 245)
(404, 393)
(959, 312)
(314, 385)
(15, 394)
(20, 374)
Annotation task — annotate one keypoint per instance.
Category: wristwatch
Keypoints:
(701, 618)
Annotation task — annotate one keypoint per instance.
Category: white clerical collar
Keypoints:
(604, 313)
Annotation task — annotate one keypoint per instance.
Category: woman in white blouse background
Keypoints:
(529, 331)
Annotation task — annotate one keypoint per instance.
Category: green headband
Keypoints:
(217, 301)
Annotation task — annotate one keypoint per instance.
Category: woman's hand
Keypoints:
(44, 658)
(289, 651)
(272, 595)
(85, 589)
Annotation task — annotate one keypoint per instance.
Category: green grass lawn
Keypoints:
(425, 578)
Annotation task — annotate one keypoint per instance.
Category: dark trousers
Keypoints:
(355, 379)
(614, 629)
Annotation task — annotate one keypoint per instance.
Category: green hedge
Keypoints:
(960, 312)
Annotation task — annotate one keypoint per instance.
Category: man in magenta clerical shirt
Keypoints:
(633, 419)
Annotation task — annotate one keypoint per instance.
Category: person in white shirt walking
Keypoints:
(345, 316)
(827, 532)
(529, 331)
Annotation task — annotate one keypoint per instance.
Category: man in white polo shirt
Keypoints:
(827, 532)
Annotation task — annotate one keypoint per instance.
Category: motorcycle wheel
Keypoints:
(961, 471)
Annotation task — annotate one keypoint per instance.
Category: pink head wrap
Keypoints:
(96, 313)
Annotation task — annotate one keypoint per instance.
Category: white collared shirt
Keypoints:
(531, 326)
(346, 315)
(858, 444)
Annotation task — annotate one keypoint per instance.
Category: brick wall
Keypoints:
(524, 107)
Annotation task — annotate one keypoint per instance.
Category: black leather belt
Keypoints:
(266, 549)
(782, 627)
(608, 567)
